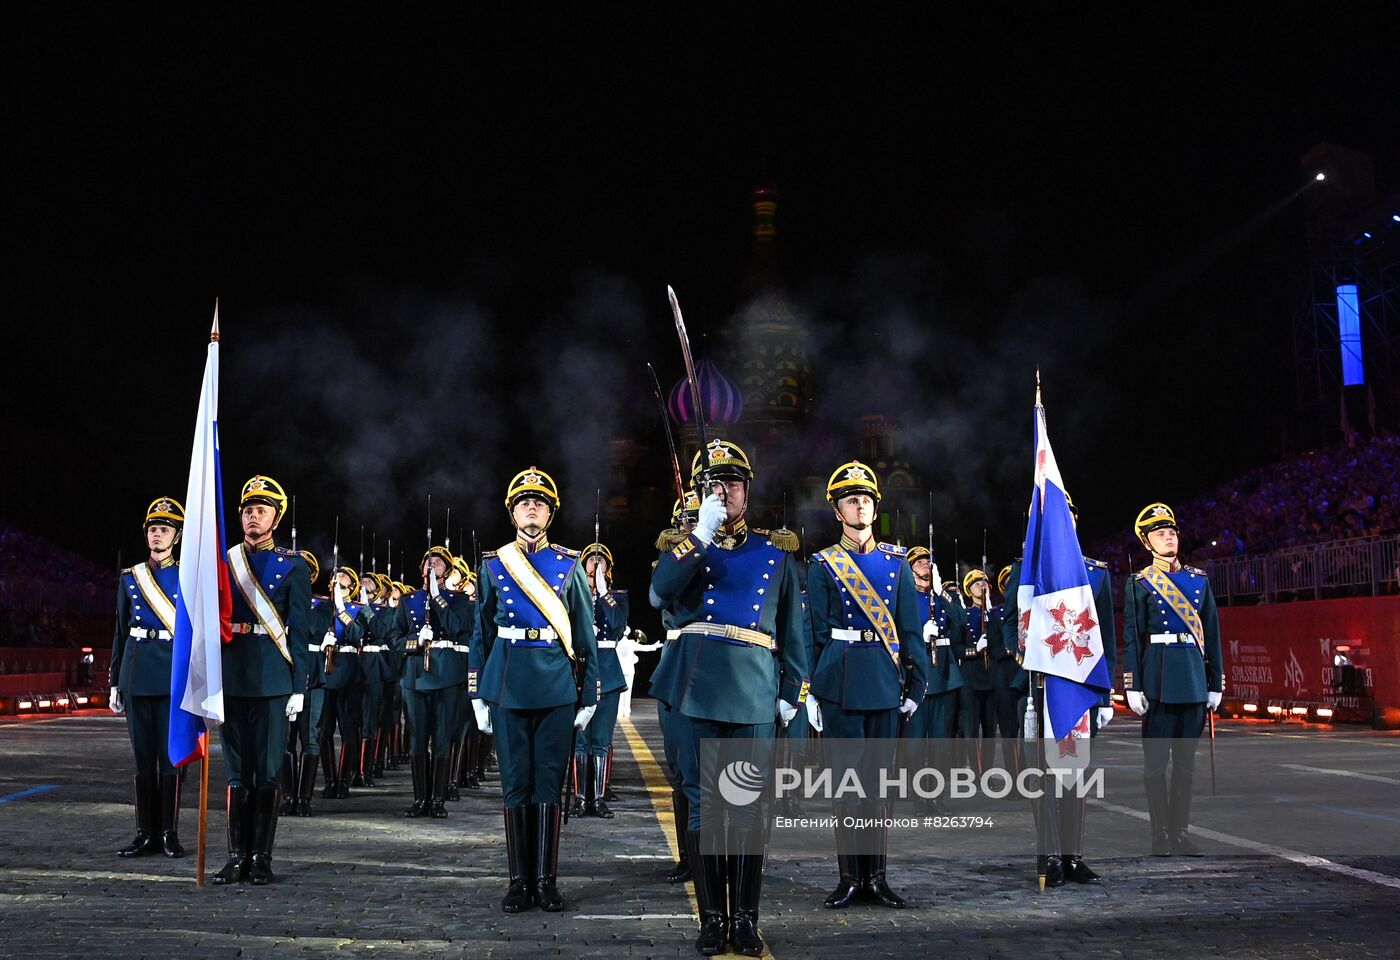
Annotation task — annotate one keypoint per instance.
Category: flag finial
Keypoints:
(1037, 386)
(214, 333)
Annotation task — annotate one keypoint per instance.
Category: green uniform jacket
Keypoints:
(451, 616)
(253, 666)
(1180, 672)
(140, 667)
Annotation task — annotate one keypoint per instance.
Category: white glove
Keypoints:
(1213, 699)
(328, 640)
(600, 580)
(584, 715)
(786, 711)
(981, 644)
(483, 715)
(936, 579)
(1105, 715)
(433, 590)
(712, 514)
(339, 598)
(814, 714)
(1137, 702)
(425, 635)
(295, 703)
(930, 631)
(908, 707)
(114, 700)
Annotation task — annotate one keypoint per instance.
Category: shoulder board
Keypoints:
(565, 550)
(1096, 563)
(668, 538)
(129, 570)
(1196, 570)
(286, 553)
(617, 593)
(1142, 574)
(488, 554)
(784, 540)
(893, 549)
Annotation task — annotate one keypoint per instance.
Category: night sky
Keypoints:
(441, 248)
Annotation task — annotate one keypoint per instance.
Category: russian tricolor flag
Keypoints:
(1063, 640)
(204, 608)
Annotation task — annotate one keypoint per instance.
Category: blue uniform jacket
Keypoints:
(252, 664)
(944, 674)
(140, 666)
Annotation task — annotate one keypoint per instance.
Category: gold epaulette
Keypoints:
(668, 538)
(782, 538)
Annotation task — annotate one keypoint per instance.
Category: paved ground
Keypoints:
(1307, 866)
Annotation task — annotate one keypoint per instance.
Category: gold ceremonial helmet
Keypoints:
(462, 567)
(1154, 516)
(535, 481)
(849, 478)
(265, 490)
(443, 552)
(725, 459)
(311, 562)
(916, 554)
(971, 577)
(166, 511)
(1003, 579)
(349, 572)
(691, 506)
(602, 551)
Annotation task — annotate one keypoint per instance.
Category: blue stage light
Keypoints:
(1349, 334)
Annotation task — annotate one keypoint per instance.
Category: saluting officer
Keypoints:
(734, 595)
(536, 665)
(265, 669)
(872, 666)
(140, 679)
(610, 612)
(438, 627)
(675, 726)
(942, 619)
(1172, 671)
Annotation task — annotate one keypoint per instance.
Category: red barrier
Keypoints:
(1285, 652)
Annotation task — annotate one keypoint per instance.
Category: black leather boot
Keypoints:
(607, 792)
(582, 784)
(1179, 818)
(328, 769)
(239, 852)
(306, 786)
(453, 793)
(1072, 810)
(286, 778)
(598, 773)
(708, 872)
(873, 883)
(1051, 867)
(170, 815)
(147, 790)
(266, 801)
(342, 772)
(847, 869)
(367, 762)
(468, 776)
(519, 859)
(743, 925)
(547, 816)
(418, 767)
(1158, 812)
(438, 807)
(355, 754)
(680, 873)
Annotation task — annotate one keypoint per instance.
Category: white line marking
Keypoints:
(1340, 773)
(640, 856)
(1283, 853)
(636, 916)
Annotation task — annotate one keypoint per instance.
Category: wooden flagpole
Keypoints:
(203, 807)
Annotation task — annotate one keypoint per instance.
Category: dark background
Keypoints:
(441, 247)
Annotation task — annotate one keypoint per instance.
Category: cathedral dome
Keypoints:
(720, 398)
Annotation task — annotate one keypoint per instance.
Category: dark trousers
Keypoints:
(596, 740)
(371, 709)
(432, 715)
(675, 737)
(305, 730)
(342, 711)
(930, 731)
(532, 748)
(859, 740)
(701, 795)
(255, 738)
(148, 727)
(1170, 733)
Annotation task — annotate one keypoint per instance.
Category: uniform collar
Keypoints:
(850, 546)
(167, 562)
(532, 546)
(263, 547)
(1165, 565)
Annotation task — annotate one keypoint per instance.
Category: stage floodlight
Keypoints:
(1324, 713)
(1251, 708)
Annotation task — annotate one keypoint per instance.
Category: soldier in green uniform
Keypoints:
(611, 610)
(534, 681)
(304, 737)
(1172, 671)
(344, 686)
(1069, 809)
(437, 627)
(942, 619)
(872, 666)
(375, 669)
(976, 710)
(140, 679)
(265, 669)
(464, 724)
(734, 595)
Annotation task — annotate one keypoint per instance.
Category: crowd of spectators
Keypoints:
(1334, 493)
(49, 596)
